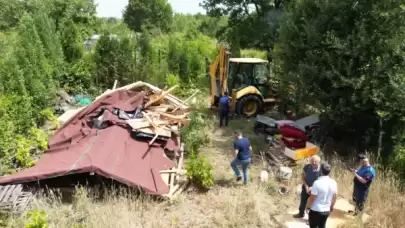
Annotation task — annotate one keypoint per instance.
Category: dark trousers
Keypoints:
(223, 117)
(317, 219)
(359, 198)
(303, 201)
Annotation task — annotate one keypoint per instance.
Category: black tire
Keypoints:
(246, 100)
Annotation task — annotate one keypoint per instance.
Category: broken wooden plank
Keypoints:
(159, 108)
(3, 192)
(144, 123)
(165, 176)
(171, 175)
(185, 101)
(176, 171)
(160, 97)
(178, 119)
(16, 193)
(149, 119)
(181, 189)
(173, 189)
(153, 140)
(180, 163)
(176, 101)
(8, 193)
(115, 85)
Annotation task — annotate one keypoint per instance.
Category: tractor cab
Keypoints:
(247, 80)
(245, 72)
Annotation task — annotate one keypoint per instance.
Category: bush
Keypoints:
(47, 115)
(27, 147)
(172, 80)
(253, 53)
(199, 171)
(36, 219)
(195, 135)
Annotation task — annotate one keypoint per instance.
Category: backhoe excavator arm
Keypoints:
(218, 72)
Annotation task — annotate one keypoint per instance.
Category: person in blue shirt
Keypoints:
(363, 177)
(242, 152)
(224, 110)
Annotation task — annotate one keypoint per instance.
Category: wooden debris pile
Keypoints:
(157, 120)
(161, 116)
(276, 156)
(175, 177)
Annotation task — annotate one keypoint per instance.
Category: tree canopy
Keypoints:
(348, 57)
(148, 13)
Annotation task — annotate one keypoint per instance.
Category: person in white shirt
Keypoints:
(322, 199)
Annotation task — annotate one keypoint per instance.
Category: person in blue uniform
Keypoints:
(363, 177)
(224, 102)
(242, 152)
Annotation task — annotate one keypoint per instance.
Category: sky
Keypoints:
(113, 8)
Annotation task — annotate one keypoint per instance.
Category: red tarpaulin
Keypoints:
(111, 152)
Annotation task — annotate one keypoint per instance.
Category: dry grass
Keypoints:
(228, 204)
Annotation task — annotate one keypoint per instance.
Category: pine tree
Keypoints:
(35, 67)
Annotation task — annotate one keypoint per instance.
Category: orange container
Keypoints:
(298, 154)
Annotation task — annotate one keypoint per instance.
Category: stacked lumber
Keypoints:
(161, 116)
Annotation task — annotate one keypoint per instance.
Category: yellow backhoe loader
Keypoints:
(247, 81)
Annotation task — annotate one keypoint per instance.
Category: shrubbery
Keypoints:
(36, 219)
(195, 136)
(200, 171)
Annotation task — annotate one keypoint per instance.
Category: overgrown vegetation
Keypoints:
(46, 46)
(200, 171)
(36, 219)
(196, 137)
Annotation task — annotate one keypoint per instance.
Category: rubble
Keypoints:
(129, 134)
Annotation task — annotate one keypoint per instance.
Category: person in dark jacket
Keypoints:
(224, 110)
(362, 181)
(310, 175)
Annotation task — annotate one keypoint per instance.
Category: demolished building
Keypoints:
(125, 135)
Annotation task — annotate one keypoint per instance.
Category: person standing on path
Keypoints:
(242, 153)
(309, 176)
(322, 199)
(362, 181)
(224, 102)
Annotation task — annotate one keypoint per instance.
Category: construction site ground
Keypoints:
(227, 204)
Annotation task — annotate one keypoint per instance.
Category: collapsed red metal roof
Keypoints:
(111, 152)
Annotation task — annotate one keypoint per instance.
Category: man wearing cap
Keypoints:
(362, 181)
(322, 199)
(310, 175)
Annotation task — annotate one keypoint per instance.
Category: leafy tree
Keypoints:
(114, 60)
(148, 13)
(348, 57)
(113, 26)
(71, 42)
(50, 40)
(251, 23)
(10, 13)
(35, 66)
(80, 12)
